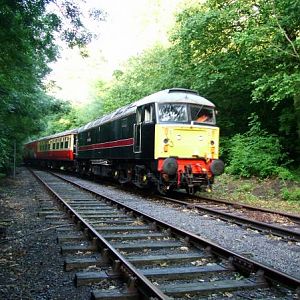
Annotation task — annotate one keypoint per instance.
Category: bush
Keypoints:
(291, 195)
(256, 153)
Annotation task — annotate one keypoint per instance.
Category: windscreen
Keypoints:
(172, 112)
(202, 114)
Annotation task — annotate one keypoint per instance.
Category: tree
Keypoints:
(28, 31)
(142, 75)
(244, 55)
(241, 55)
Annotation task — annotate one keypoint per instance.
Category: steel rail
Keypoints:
(240, 262)
(262, 226)
(141, 281)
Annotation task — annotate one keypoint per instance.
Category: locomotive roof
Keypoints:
(175, 95)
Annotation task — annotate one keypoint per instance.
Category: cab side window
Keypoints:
(148, 113)
(145, 114)
(139, 115)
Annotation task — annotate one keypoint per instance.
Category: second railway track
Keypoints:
(272, 222)
(154, 258)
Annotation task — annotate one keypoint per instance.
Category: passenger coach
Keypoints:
(168, 140)
(54, 151)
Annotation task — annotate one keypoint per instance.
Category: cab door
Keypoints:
(144, 130)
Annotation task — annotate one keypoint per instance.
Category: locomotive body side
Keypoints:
(109, 146)
(110, 140)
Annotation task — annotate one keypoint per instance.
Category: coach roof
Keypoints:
(53, 136)
(174, 95)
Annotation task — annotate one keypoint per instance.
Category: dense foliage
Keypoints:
(142, 75)
(27, 34)
(242, 55)
(256, 153)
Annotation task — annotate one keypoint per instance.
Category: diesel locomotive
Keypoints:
(168, 140)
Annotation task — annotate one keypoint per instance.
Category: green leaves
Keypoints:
(243, 55)
(256, 153)
(142, 75)
(27, 33)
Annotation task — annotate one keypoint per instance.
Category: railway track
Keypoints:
(283, 225)
(273, 222)
(154, 259)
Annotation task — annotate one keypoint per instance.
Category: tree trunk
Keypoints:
(297, 112)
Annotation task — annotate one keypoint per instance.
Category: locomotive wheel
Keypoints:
(140, 178)
(123, 177)
(162, 189)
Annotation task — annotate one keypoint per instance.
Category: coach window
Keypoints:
(66, 144)
(53, 146)
(57, 145)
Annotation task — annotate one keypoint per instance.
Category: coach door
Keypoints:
(137, 131)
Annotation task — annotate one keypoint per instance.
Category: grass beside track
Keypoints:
(269, 193)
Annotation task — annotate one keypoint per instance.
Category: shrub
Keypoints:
(291, 195)
(256, 153)
(245, 188)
